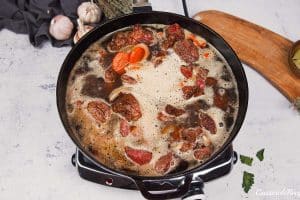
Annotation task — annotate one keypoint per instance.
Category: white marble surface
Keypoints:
(35, 150)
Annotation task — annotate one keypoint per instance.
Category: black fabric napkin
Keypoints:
(33, 17)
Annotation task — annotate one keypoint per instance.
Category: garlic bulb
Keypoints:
(89, 12)
(81, 30)
(61, 27)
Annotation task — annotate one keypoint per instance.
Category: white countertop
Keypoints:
(35, 150)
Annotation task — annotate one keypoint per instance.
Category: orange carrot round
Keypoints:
(120, 61)
(138, 53)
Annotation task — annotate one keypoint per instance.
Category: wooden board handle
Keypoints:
(260, 48)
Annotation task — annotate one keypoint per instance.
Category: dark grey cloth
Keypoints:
(33, 17)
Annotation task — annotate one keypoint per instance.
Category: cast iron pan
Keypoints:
(171, 185)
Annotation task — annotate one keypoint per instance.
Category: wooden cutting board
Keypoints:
(260, 48)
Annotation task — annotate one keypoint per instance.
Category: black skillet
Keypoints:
(172, 185)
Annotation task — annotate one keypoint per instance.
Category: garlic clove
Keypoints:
(89, 12)
(61, 27)
(82, 30)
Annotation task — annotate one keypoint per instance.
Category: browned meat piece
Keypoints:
(124, 128)
(201, 73)
(171, 110)
(190, 91)
(191, 134)
(173, 33)
(186, 50)
(221, 98)
(176, 134)
(164, 117)
(110, 75)
(210, 81)
(127, 106)
(99, 110)
(163, 163)
(141, 35)
(187, 71)
(93, 86)
(97, 87)
(156, 51)
(120, 40)
(128, 79)
(208, 123)
(203, 153)
(139, 156)
(157, 54)
(107, 59)
(186, 146)
(192, 119)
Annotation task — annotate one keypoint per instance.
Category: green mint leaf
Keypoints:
(248, 181)
(246, 160)
(260, 154)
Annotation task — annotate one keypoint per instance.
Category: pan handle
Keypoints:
(165, 188)
(139, 6)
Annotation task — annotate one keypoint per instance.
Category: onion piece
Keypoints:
(117, 91)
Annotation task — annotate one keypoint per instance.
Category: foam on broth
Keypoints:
(156, 87)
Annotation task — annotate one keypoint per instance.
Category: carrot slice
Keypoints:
(120, 61)
(138, 53)
(196, 42)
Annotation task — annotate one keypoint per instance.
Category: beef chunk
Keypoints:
(99, 110)
(187, 71)
(191, 134)
(157, 54)
(186, 146)
(210, 81)
(126, 38)
(186, 50)
(171, 110)
(163, 164)
(93, 86)
(139, 156)
(110, 75)
(200, 104)
(203, 153)
(173, 33)
(128, 106)
(221, 98)
(208, 123)
(192, 119)
(107, 59)
(190, 91)
(141, 35)
(120, 40)
(97, 87)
